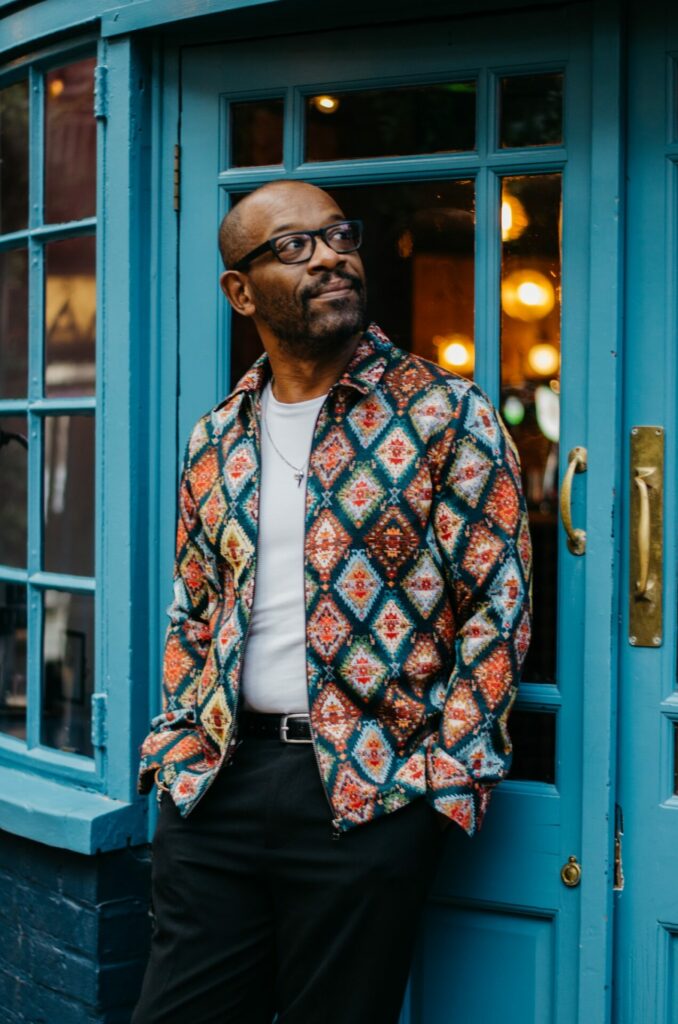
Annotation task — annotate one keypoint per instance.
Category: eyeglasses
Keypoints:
(299, 246)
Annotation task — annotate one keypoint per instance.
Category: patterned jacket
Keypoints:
(417, 589)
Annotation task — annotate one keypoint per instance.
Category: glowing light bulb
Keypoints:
(455, 352)
(325, 104)
(544, 359)
(527, 295)
(56, 87)
(514, 219)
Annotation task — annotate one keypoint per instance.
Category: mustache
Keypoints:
(330, 277)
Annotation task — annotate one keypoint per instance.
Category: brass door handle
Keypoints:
(578, 463)
(643, 582)
(646, 532)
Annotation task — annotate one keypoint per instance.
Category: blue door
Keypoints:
(466, 147)
(646, 945)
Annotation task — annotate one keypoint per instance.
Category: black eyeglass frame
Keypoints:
(314, 233)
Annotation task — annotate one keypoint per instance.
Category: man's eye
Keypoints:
(292, 243)
(341, 231)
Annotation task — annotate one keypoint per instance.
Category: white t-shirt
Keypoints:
(274, 668)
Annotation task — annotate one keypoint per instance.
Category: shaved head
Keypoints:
(306, 308)
(238, 229)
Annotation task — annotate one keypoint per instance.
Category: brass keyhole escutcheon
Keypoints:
(571, 872)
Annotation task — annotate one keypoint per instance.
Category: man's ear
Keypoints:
(235, 287)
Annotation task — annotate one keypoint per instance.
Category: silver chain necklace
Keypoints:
(299, 471)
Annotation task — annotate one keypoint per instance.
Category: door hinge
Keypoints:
(101, 91)
(618, 833)
(177, 176)
(99, 723)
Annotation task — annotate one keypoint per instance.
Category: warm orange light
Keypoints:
(56, 87)
(455, 352)
(514, 219)
(325, 104)
(544, 359)
(527, 295)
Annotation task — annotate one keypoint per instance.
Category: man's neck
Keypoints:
(297, 380)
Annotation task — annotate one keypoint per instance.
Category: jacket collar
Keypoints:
(363, 372)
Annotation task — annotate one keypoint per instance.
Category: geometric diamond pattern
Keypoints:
(359, 585)
(369, 417)
(374, 753)
(360, 495)
(363, 669)
(482, 422)
(396, 453)
(424, 585)
(469, 473)
(392, 626)
(416, 587)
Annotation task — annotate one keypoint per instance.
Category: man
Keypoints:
(350, 615)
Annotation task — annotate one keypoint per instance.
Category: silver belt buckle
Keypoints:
(284, 727)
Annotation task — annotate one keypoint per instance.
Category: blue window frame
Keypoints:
(79, 414)
(49, 228)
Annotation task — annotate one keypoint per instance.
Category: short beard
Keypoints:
(305, 336)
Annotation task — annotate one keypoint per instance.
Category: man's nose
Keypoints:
(324, 257)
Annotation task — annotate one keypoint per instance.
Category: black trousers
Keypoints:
(258, 910)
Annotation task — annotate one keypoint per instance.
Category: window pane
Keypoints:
(391, 122)
(13, 659)
(530, 378)
(13, 323)
(418, 255)
(13, 491)
(14, 157)
(68, 671)
(533, 734)
(70, 143)
(69, 494)
(531, 112)
(70, 317)
(257, 133)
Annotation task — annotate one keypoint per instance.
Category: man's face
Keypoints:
(309, 307)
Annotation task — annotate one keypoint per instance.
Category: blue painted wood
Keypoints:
(604, 359)
(163, 373)
(154, 13)
(513, 867)
(647, 909)
(125, 535)
(65, 816)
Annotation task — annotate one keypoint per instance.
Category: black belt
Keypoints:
(293, 728)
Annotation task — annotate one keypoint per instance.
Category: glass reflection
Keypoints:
(530, 382)
(69, 494)
(13, 323)
(418, 254)
(257, 133)
(13, 491)
(13, 659)
(14, 157)
(70, 142)
(531, 110)
(68, 671)
(391, 122)
(70, 317)
(533, 734)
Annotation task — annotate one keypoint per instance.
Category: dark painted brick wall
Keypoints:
(74, 933)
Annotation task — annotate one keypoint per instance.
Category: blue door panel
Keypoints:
(503, 935)
(484, 965)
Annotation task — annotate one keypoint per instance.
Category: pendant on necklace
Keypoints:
(299, 477)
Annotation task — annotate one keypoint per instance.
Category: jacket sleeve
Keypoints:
(481, 532)
(174, 737)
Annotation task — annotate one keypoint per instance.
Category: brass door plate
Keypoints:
(646, 535)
